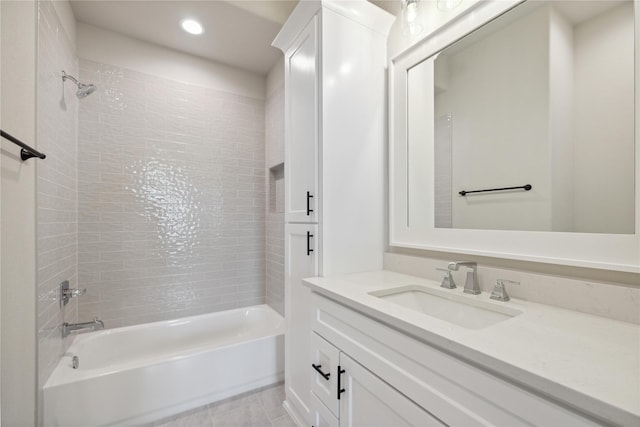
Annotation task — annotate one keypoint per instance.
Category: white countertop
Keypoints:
(580, 359)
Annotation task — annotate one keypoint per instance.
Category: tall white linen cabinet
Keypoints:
(335, 161)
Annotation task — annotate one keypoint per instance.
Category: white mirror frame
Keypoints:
(619, 252)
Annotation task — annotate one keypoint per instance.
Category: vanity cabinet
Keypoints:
(335, 68)
(348, 394)
(388, 374)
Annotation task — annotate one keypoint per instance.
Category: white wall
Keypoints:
(275, 78)
(108, 47)
(18, 262)
(561, 121)
(604, 155)
(67, 20)
(275, 122)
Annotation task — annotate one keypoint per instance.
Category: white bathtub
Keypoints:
(138, 374)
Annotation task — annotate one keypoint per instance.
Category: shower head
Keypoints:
(84, 90)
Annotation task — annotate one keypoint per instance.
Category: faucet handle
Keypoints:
(500, 291)
(447, 280)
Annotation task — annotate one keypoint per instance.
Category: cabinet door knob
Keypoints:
(340, 389)
(309, 197)
(309, 236)
(317, 368)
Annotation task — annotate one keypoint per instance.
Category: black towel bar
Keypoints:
(26, 152)
(522, 187)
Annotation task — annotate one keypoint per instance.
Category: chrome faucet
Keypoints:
(94, 325)
(471, 285)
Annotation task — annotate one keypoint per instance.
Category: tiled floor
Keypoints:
(262, 408)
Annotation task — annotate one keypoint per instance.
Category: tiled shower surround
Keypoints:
(56, 185)
(171, 198)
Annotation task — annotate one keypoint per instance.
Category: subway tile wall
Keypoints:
(274, 141)
(56, 186)
(171, 198)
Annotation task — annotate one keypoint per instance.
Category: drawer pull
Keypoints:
(317, 368)
(309, 197)
(340, 389)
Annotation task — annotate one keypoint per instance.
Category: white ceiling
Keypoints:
(237, 32)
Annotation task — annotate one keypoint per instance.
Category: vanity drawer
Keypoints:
(449, 388)
(324, 370)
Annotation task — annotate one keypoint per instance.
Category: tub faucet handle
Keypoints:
(447, 280)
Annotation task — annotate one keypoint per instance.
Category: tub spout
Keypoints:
(94, 325)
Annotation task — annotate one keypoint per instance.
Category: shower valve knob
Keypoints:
(66, 293)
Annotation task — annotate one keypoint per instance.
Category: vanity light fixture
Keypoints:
(409, 16)
(192, 26)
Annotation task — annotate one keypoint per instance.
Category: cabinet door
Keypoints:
(300, 262)
(369, 401)
(301, 127)
(321, 416)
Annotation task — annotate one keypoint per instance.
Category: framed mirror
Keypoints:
(513, 135)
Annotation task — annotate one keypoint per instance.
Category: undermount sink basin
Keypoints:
(460, 310)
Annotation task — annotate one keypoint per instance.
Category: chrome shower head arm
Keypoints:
(66, 76)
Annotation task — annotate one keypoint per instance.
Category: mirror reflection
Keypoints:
(542, 96)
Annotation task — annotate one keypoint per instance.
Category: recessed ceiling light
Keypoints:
(191, 26)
